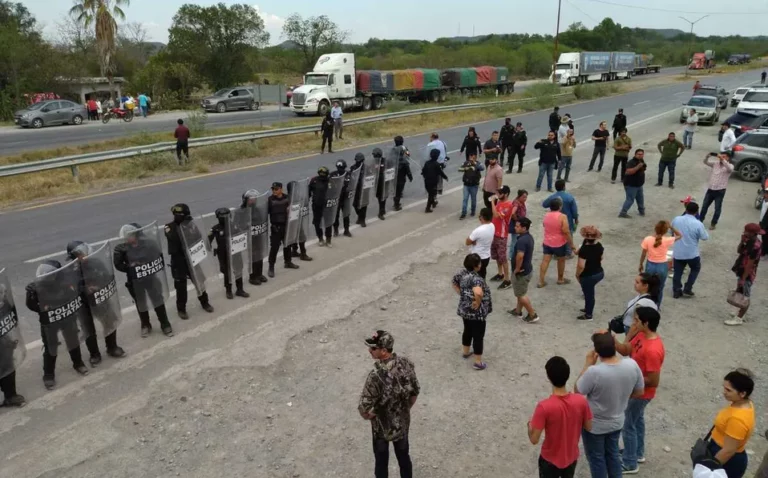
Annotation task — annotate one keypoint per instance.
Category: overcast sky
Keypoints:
(407, 19)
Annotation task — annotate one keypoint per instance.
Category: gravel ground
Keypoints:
(296, 417)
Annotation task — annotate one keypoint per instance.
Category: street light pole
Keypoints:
(690, 43)
(557, 34)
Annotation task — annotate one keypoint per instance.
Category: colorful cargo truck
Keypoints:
(334, 78)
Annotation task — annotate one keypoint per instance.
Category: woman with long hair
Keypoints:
(474, 306)
(589, 269)
(655, 251)
(647, 288)
(734, 424)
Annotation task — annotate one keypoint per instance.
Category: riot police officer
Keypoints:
(179, 266)
(221, 233)
(378, 157)
(11, 344)
(359, 210)
(341, 170)
(141, 259)
(52, 322)
(403, 171)
(278, 206)
(318, 190)
(257, 276)
(79, 250)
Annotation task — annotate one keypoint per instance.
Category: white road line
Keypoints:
(583, 117)
(642, 102)
(681, 93)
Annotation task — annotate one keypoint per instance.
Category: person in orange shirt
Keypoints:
(734, 424)
(646, 348)
(655, 251)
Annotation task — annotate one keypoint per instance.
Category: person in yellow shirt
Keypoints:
(734, 424)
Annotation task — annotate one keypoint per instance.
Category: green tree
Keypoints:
(217, 41)
(312, 36)
(102, 15)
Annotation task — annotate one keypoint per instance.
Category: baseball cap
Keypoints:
(505, 190)
(381, 339)
(688, 199)
(753, 228)
(277, 184)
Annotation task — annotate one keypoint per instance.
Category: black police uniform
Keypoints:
(143, 252)
(8, 383)
(519, 142)
(278, 210)
(318, 192)
(341, 170)
(179, 267)
(378, 157)
(359, 211)
(221, 235)
(403, 171)
(505, 137)
(257, 276)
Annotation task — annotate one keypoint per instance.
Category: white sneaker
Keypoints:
(734, 321)
(641, 459)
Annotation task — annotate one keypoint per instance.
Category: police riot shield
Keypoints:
(101, 288)
(198, 251)
(238, 224)
(369, 179)
(259, 228)
(332, 199)
(305, 221)
(147, 279)
(12, 349)
(63, 311)
(299, 194)
(390, 172)
(346, 202)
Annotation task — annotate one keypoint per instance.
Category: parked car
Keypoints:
(51, 113)
(706, 107)
(229, 99)
(741, 121)
(738, 95)
(755, 101)
(716, 91)
(750, 155)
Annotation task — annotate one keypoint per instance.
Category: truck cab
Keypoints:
(332, 79)
(567, 68)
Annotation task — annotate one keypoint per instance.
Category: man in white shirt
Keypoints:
(690, 127)
(481, 239)
(562, 131)
(436, 143)
(336, 114)
(729, 137)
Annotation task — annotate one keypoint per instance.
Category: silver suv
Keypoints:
(230, 99)
(750, 155)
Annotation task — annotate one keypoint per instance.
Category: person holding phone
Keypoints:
(718, 181)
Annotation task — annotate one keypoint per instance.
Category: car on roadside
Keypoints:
(50, 113)
(742, 122)
(750, 155)
(738, 95)
(754, 101)
(716, 91)
(231, 99)
(707, 107)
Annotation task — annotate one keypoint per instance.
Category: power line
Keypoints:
(624, 5)
(583, 12)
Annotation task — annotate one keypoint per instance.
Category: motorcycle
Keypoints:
(125, 115)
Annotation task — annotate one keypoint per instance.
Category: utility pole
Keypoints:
(690, 44)
(557, 34)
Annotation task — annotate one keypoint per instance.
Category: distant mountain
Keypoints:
(154, 46)
(288, 45)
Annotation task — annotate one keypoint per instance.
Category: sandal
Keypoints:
(466, 356)
(564, 282)
(541, 285)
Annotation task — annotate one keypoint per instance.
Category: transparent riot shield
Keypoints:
(63, 311)
(12, 349)
(369, 179)
(391, 161)
(239, 246)
(348, 200)
(142, 257)
(332, 199)
(100, 288)
(198, 251)
(259, 228)
(299, 194)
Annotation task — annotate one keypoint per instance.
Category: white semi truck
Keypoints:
(586, 66)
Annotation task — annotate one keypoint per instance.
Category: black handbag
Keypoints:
(700, 450)
(616, 325)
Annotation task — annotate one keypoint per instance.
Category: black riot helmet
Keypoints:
(341, 166)
(398, 140)
(377, 153)
(322, 171)
(47, 267)
(180, 212)
(359, 158)
(249, 196)
(221, 214)
(77, 249)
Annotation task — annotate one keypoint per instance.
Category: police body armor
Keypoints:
(353, 177)
(100, 288)
(259, 228)
(238, 226)
(12, 349)
(198, 252)
(299, 194)
(146, 268)
(63, 311)
(391, 161)
(369, 179)
(332, 199)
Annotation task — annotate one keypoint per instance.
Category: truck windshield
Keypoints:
(756, 97)
(563, 66)
(316, 80)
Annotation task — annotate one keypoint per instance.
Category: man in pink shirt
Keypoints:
(561, 417)
(718, 181)
(494, 176)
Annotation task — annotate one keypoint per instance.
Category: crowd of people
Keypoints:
(97, 108)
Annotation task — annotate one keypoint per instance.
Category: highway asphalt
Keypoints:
(17, 140)
(38, 232)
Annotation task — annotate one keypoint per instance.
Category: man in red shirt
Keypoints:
(645, 347)
(501, 207)
(182, 135)
(562, 416)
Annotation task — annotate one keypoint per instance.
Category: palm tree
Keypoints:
(102, 14)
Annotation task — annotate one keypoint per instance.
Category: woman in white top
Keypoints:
(647, 288)
(481, 239)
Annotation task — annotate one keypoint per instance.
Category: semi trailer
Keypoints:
(586, 66)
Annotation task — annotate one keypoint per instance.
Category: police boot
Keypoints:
(242, 293)
(271, 270)
(255, 279)
(207, 307)
(335, 231)
(291, 265)
(305, 257)
(229, 293)
(328, 242)
(183, 314)
(346, 232)
(294, 252)
(398, 206)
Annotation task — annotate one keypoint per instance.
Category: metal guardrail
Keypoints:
(73, 162)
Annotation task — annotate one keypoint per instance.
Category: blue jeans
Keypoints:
(677, 279)
(143, 111)
(661, 270)
(670, 166)
(603, 454)
(512, 242)
(634, 432)
(588, 284)
(470, 192)
(565, 164)
(688, 139)
(736, 467)
(633, 194)
(545, 168)
(710, 197)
